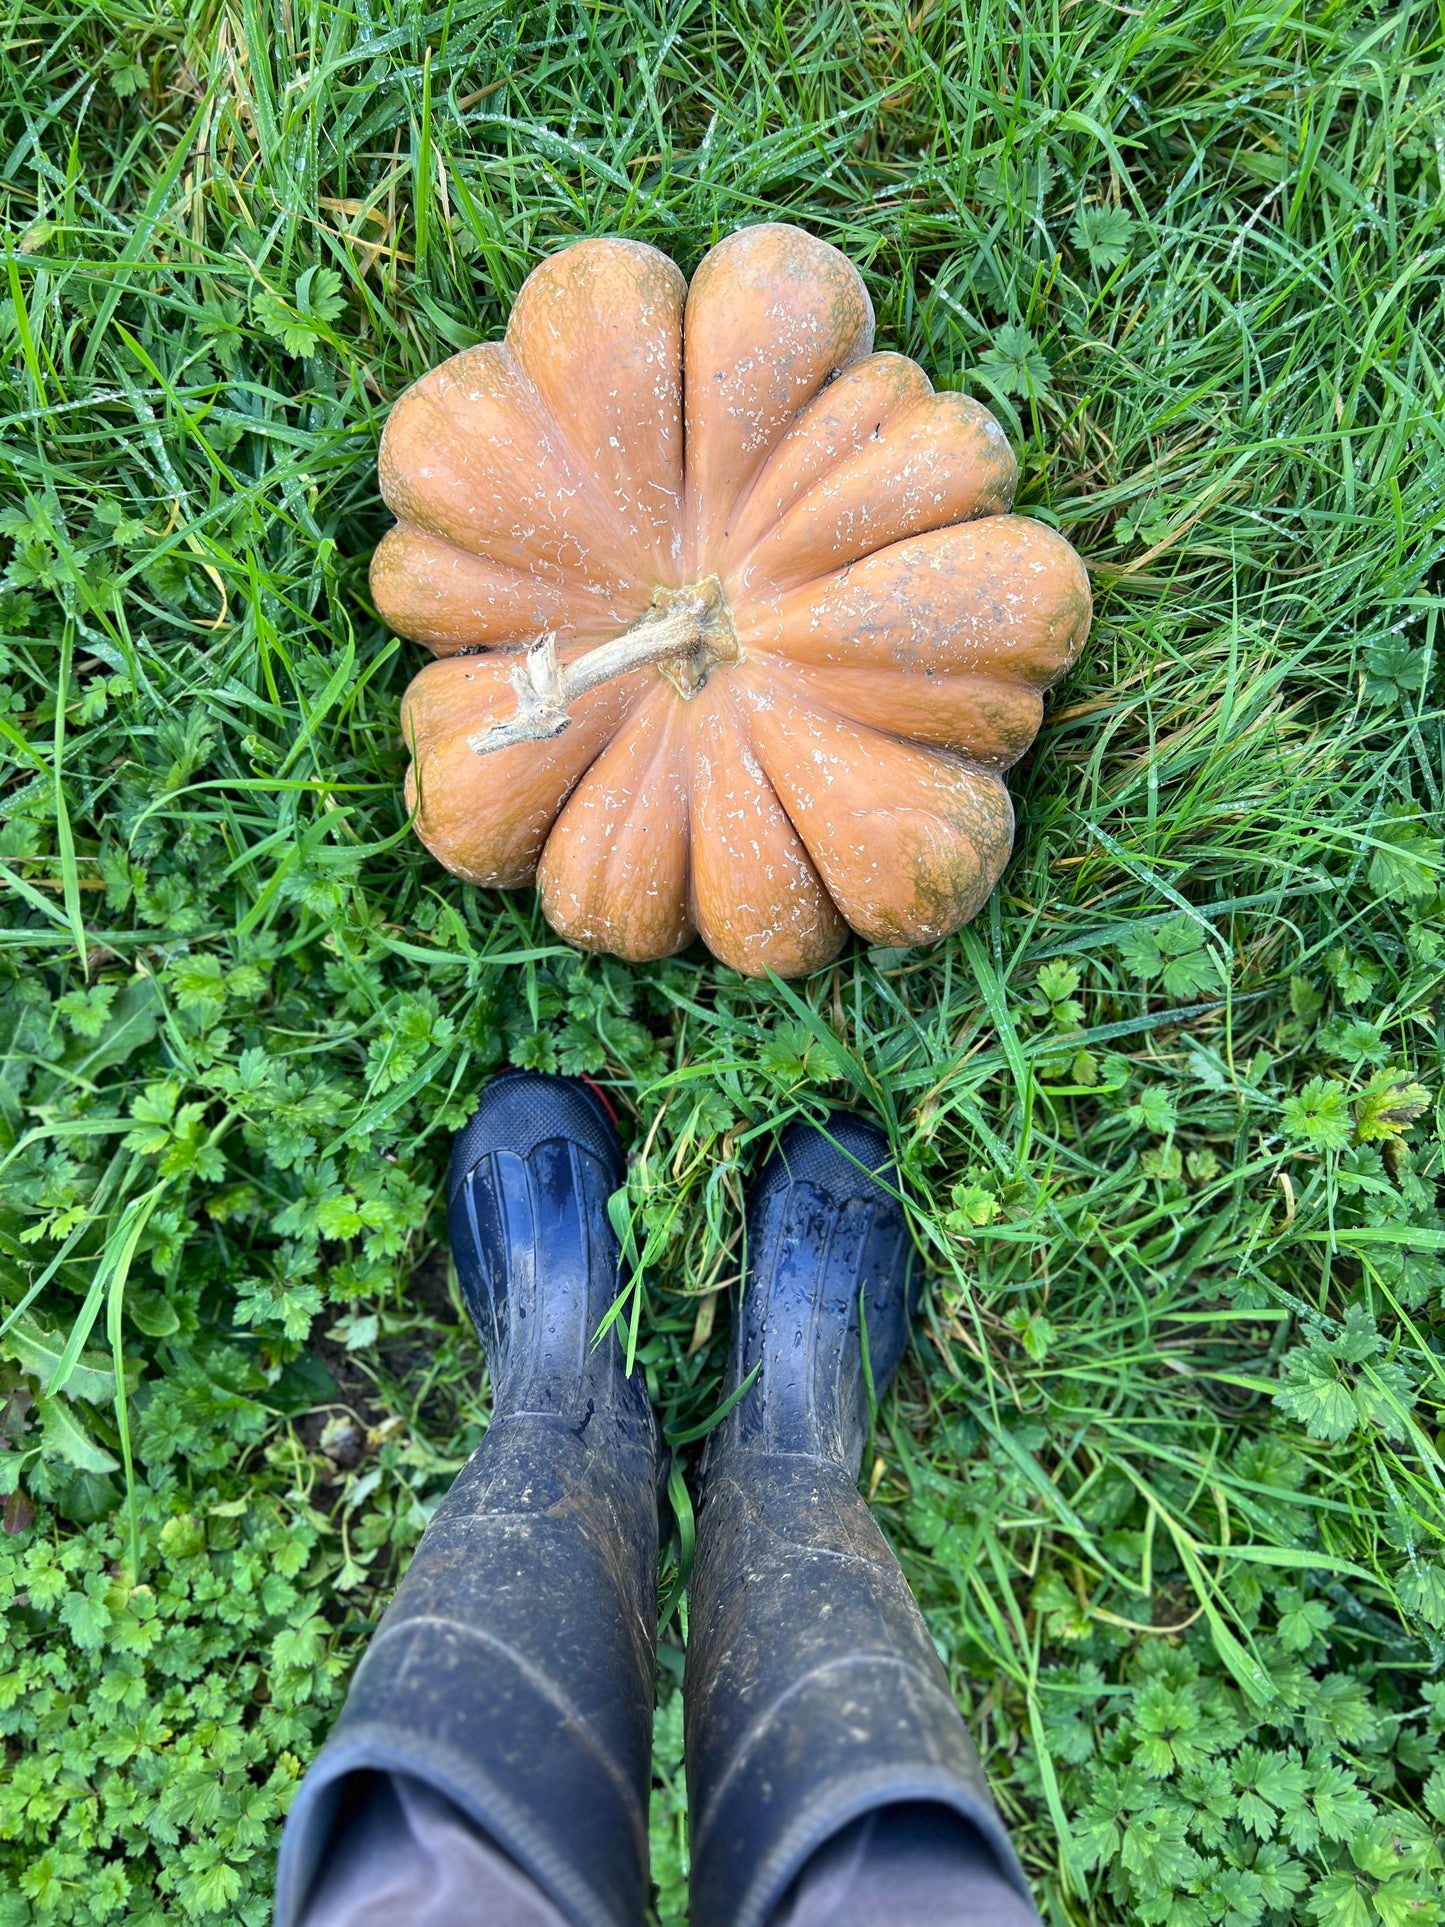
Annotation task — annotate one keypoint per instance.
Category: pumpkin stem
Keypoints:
(682, 635)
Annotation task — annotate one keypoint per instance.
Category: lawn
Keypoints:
(1165, 1465)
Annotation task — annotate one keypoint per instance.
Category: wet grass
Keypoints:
(1165, 1463)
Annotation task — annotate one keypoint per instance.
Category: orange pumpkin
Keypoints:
(736, 635)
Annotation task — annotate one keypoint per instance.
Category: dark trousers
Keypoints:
(404, 1857)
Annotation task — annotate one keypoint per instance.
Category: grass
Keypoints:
(1165, 1466)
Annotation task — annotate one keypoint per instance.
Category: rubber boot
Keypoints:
(514, 1670)
(813, 1691)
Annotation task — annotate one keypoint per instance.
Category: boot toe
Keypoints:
(520, 1110)
(846, 1158)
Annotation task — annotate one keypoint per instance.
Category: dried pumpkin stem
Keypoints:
(683, 634)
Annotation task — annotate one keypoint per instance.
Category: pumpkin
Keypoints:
(735, 633)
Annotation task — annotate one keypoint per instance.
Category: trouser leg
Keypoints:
(908, 1866)
(402, 1855)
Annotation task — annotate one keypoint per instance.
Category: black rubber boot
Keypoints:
(813, 1691)
(514, 1670)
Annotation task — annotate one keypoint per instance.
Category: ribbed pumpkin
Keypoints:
(828, 636)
